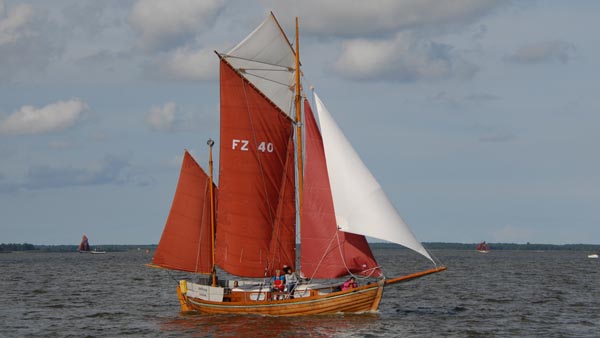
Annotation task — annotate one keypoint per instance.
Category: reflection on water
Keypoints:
(503, 293)
(264, 326)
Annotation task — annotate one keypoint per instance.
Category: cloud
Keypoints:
(369, 18)
(14, 23)
(109, 170)
(188, 64)
(25, 47)
(53, 117)
(542, 52)
(402, 59)
(165, 24)
(162, 118)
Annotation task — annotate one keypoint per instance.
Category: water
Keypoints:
(500, 294)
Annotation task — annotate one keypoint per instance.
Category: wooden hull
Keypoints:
(362, 299)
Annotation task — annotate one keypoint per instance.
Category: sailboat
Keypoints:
(483, 247)
(281, 178)
(84, 245)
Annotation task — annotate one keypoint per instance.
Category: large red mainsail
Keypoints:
(256, 212)
(185, 243)
(326, 251)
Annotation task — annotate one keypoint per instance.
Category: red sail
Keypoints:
(256, 214)
(185, 243)
(84, 245)
(326, 251)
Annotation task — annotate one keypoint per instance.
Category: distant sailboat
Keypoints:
(278, 169)
(84, 246)
(483, 247)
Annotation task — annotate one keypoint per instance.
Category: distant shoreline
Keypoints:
(12, 247)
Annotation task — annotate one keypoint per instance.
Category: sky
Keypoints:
(480, 119)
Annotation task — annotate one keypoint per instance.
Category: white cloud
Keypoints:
(162, 118)
(164, 24)
(53, 117)
(403, 59)
(545, 51)
(13, 24)
(190, 64)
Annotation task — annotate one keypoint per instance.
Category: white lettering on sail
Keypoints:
(264, 147)
(244, 144)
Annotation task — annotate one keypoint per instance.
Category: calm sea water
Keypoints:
(500, 294)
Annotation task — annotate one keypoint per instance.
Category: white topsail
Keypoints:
(361, 206)
(267, 60)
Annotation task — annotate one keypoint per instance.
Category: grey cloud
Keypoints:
(162, 25)
(354, 19)
(109, 170)
(402, 59)
(540, 52)
(25, 49)
(185, 64)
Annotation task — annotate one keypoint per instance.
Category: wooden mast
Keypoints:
(213, 272)
(298, 100)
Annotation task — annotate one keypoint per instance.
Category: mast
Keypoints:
(213, 272)
(298, 100)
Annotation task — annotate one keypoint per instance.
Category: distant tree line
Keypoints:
(500, 246)
(4, 247)
(71, 248)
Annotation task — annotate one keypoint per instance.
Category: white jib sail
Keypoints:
(361, 206)
(267, 60)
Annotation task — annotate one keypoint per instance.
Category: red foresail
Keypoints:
(326, 251)
(185, 243)
(256, 213)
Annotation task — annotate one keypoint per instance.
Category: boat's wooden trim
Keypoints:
(415, 275)
(362, 299)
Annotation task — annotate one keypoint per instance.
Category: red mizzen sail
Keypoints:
(185, 243)
(256, 209)
(326, 251)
